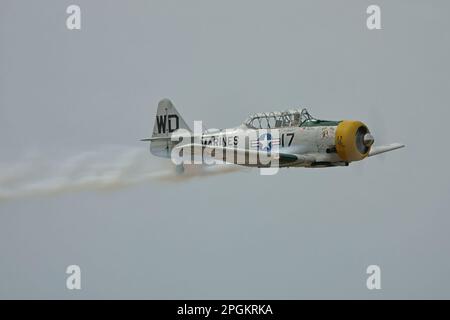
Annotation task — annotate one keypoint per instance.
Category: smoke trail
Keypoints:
(109, 167)
(201, 171)
(104, 169)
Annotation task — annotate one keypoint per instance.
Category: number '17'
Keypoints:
(290, 136)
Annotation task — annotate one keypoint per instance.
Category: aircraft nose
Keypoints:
(368, 140)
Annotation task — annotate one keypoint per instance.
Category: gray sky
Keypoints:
(302, 233)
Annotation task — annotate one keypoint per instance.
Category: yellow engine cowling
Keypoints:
(353, 140)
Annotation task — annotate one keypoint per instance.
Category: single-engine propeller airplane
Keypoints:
(291, 138)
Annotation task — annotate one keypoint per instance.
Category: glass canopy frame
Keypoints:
(278, 119)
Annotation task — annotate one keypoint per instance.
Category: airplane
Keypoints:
(291, 138)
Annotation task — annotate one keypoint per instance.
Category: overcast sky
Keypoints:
(303, 233)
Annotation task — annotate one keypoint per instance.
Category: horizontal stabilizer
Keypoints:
(156, 138)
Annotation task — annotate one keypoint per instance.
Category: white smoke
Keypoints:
(107, 168)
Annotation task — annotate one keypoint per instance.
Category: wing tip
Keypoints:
(386, 148)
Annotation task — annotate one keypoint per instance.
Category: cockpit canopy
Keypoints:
(279, 119)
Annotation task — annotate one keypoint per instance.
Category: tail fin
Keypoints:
(167, 121)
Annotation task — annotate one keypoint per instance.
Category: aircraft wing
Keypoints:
(282, 158)
(381, 149)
